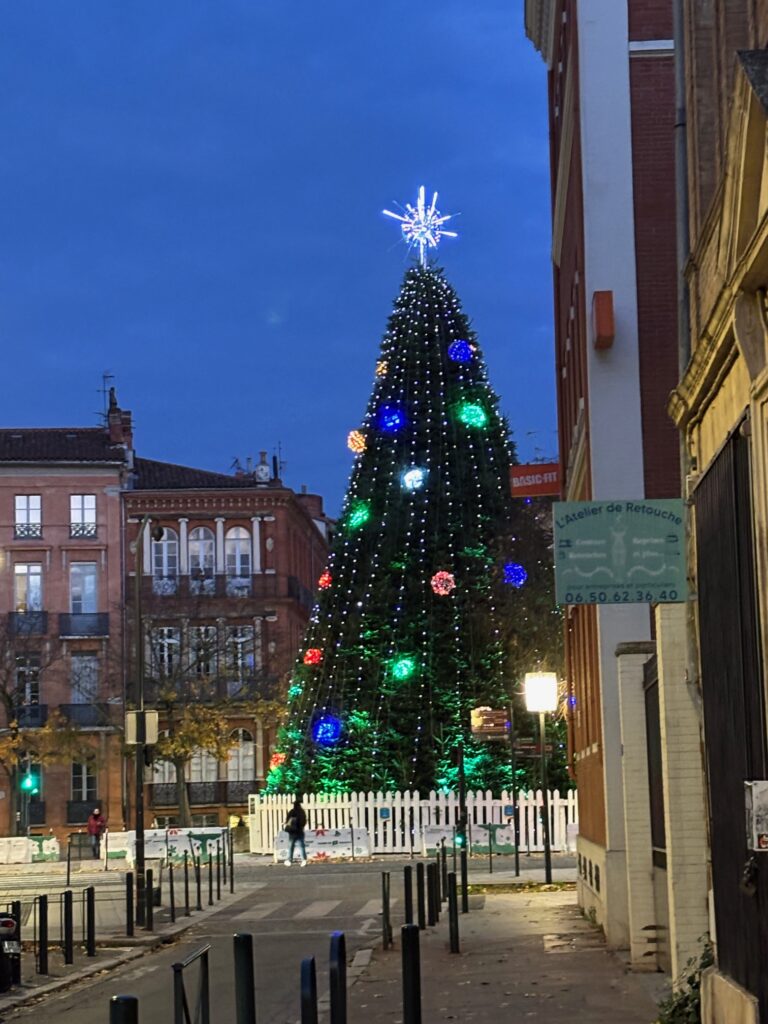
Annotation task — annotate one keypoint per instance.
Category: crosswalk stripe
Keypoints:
(256, 913)
(319, 908)
(372, 907)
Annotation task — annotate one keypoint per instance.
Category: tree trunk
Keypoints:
(182, 795)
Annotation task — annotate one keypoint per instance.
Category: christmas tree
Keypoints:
(437, 584)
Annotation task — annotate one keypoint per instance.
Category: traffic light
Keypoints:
(461, 839)
(30, 783)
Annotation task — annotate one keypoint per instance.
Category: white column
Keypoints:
(259, 749)
(256, 524)
(219, 544)
(147, 556)
(183, 546)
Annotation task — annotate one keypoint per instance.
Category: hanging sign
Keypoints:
(489, 724)
(620, 552)
(535, 480)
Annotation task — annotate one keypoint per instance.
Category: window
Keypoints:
(240, 657)
(27, 679)
(202, 650)
(165, 562)
(203, 767)
(83, 782)
(241, 766)
(202, 561)
(84, 677)
(165, 653)
(28, 517)
(82, 515)
(237, 551)
(28, 587)
(83, 598)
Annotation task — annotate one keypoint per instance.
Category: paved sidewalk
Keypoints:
(524, 956)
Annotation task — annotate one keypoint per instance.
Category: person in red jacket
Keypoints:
(96, 825)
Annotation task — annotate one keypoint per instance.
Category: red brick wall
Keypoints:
(653, 156)
(650, 19)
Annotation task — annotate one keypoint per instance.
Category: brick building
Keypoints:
(226, 593)
(611, 115)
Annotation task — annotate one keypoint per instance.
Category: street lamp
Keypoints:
(141, 727)
(541, 697)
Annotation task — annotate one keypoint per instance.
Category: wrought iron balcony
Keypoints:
(78, 624)
(28, 531)
(77, 530)
(202, 584)
(238, 586)
(78, 811)
(32, 623)
(31, 716)
(300, 593)
(162, 794)
(36, 812)
(87, 716)
(165, 586)
(204, 794)
(237, 792)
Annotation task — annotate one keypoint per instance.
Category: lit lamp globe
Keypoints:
(541, 692)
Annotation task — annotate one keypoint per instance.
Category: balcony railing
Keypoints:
(86, 716)
(78, 811)
(36, 812)
(28, 531)
(77, 530)
(262, 585)
(300, 593)
(211, 690)
(27, 623)
(79, 624)
(31, 716)
(238, 586)
(202, 585)
(165, 586)
(221, 792)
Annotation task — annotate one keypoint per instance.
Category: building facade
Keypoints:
(229, 569)
(611, 115)
(720, 406)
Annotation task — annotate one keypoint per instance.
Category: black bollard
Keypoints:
(129, 904)
(431, 915)
(386, 920)
(337, 977)
(186, 884)
(224, 858)
(149, 902)
(245, 982)
(231, 861)
(490, 848)
(408, 887)
(69, 860)
(90, 921)
(421, 910)
(453, 913)
(42, 935)
(16, 964)
(308, 991)
(171, 894)
(444, 870)
(218, 870)
(123, 1010)
(69, 930)
(199, 883)
(409, 934)
(210, 878)
(464, 882)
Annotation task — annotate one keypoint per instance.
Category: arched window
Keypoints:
(238, 561)
(202, 560)
(203, 767)
(165, 563)
(241, 765)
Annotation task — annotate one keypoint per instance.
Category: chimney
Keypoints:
(119, 423)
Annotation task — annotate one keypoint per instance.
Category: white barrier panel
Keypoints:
(433, 837)
(325, 844)
(16, 850)
(45, 848)
(165, 844)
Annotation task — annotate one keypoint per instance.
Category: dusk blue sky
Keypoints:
(191, 198)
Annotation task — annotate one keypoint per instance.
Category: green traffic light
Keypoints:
(29, 783)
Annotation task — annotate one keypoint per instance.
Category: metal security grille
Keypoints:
(734, 715)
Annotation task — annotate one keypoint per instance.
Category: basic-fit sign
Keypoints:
(620, 552)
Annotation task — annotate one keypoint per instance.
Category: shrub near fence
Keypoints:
(396, 821)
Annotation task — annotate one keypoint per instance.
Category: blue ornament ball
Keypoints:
(326, 731)
(515, 574)
(391, 418)
(460, 351)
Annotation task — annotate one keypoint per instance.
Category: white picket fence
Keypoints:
(398, 829)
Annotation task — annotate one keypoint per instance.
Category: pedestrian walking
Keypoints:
(294, 826)
(96, 825)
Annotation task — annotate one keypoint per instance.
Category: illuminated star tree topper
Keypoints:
(422, 225)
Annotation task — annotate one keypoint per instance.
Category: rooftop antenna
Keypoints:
(106, 379)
